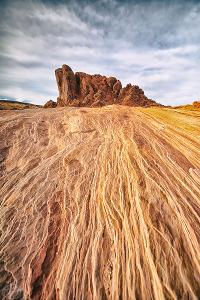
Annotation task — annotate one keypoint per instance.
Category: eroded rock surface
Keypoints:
(50, 104)
(100, 203)
(81, 89)
(196, 104)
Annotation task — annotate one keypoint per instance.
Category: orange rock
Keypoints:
(50, 104)
(196, 104)
(67, 85)
(81, 89)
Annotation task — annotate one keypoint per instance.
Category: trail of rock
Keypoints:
(100, 203)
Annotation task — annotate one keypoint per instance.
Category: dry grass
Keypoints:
(100, 203)
(194, 106)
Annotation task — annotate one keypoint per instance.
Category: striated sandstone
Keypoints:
(81, 89)
(100, 203)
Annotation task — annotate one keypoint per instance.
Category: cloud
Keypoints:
(153, 44)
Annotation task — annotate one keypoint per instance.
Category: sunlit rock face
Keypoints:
(196, 104)
(100, 203)
(81, 89)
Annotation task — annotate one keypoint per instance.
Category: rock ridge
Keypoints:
(81, 89)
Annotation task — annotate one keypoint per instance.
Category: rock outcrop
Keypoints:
(81, 89)
(50, 104)
(100, 204)
(196, 104)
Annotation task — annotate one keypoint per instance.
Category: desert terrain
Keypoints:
(100, 203)
(15, 105)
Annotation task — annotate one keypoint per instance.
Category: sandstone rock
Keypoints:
(196, 104)
(67, 85)
(81, 89)
(111, 81)
(50, 104)
(134, 96)
(99, 204)
(117, 88)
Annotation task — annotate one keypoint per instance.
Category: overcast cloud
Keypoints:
(154, 44)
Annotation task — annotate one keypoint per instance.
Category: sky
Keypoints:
(153, 44)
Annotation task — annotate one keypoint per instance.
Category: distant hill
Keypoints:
(17, 105)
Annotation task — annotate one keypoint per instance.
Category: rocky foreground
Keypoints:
(100, 203)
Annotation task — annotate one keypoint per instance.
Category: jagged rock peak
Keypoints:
(81, 89)
(50, 104)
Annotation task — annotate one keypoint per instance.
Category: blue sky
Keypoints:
(154, 44)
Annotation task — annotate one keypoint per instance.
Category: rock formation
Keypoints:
(100, 204)
(196, 104)
(81, 89)
(50, 104)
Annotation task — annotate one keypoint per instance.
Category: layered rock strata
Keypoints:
(100, 204)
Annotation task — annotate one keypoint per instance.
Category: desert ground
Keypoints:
(100, 203)
(15, 105)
